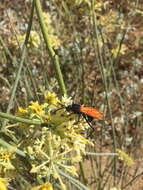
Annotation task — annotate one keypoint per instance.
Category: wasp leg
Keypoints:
(78, 119)
(88, 121)
(89, 118)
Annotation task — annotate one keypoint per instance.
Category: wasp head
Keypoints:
(75, 108)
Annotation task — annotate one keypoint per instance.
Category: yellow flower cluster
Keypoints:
(18, 40)
(5, 159)
(108, 20)
(75, 3)
(116, 50)
(34, 40)
(123, 156)
(54, 40)
(111, 22)
(21, 112)
(58, 143)
(51, 98)
(84, 7)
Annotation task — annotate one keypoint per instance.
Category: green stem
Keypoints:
(5, 144)
(101, 67)
(53, 56)
(83, 173)
(19, 119)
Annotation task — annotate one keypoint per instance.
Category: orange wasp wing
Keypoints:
(92, 112)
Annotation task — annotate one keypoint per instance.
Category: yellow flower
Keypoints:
(53, 144)
(66, 100)
(5, 160)
(34, 39)
(54, 40)
(98, 6)
(76, 159)
(29, 150)
(55, 175)
(116, 50)
(2, 184)
(47, 118)
(18, 40)
(5, 156)
(46, 187)
(108, 21)
(21, 112)
(34, 169)
(43, 187)
(47, 18)
(123, 156)
(79, 142)
(72, 170)
(36, 108)
(51, 98)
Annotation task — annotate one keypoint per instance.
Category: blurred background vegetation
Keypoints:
(94, 53)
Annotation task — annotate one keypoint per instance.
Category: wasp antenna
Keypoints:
(59, 109)
(61, 105)
(54, 112)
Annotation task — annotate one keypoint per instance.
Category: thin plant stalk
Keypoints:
(19, 119)
(20, 66)
(101, 67)
(83, 173)
(12, 148)
(53, 56)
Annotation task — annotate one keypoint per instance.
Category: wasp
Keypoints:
(88, 113)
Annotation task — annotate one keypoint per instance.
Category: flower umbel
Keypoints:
(116, 50)
(5, 159)
(123, 156)
(34, 40)
(60, 136)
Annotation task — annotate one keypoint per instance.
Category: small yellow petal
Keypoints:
(36, 108)
(2, 185)
(21, 112)
(46, 187)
